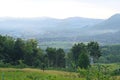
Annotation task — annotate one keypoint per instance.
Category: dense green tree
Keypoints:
(51, 53)
(32, 53)
(76, 50)
(2, 44)
(17, 50)
(6, 48)
(110, 54)
(44, 61)
(56, 57)
(18, 53)
(94, 50)
(60, 58)
(83, 60)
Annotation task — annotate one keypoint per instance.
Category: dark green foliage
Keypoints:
(13, 51)
(56, 57)
(116, 72)
(6, 48)
(32, 53)
(60, 58)
(83, 61)
(79, 56)
(51, 53)
(19, 52)
(27, 52)
(76, 51)
(110, 54)
(94, 50)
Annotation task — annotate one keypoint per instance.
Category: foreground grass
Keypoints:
(104, 72)
(36, 74)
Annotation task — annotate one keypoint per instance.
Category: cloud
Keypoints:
(58, 8)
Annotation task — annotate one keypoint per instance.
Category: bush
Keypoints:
(116, 72)
(2, 64)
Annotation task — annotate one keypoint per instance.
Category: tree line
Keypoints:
(110, 54)
(19, 51)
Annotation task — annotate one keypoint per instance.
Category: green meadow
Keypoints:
(36, 74)
(95, 72)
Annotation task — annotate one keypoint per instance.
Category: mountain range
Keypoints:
(73, 29)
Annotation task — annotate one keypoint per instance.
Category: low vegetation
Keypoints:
(36, 74)
(95, 72)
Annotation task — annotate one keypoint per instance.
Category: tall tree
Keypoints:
(60, 58)
(2, 44)
(18, 50)
(51, 53)
(76, 50)
(32, 52)
(84, 60)
(6, 48)
(94, 50)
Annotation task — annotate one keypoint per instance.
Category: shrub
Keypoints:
(116, 72)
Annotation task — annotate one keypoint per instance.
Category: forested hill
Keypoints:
(74, 29)
(44, 27)
(107, 31)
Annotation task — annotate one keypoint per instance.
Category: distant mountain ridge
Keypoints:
(37, 26)
(111, 23)
(73, 29)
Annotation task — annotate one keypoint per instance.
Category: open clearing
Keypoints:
(36, 74)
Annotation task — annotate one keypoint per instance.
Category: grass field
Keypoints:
(37, 74)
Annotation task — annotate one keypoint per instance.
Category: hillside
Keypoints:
(23, 27)
(73, 29)
(106, 32)
(111, 25)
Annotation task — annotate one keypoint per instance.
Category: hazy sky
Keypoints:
(59, 8)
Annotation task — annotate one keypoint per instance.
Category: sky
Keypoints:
(59, 8)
